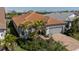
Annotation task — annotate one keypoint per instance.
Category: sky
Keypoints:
(23, 9)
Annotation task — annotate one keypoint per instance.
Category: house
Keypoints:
(65, 16)
(52, 25)
(2, 23)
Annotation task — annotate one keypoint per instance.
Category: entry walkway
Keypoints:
(70, 43)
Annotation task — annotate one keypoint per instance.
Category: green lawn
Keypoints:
(18, 48)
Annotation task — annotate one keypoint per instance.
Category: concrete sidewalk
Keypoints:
(70, 43)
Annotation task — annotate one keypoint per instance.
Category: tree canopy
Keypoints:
(9, 42)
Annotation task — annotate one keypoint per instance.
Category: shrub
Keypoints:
(41, 45)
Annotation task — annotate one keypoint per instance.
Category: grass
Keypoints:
(18, 48)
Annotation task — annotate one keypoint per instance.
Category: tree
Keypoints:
(9, 42)
(11, 14)
(34, 28)
(75, 25)
(11, 39)
(40, 27)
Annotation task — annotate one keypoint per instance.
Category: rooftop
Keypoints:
(20, 19)
(2, 18)
(61, 16)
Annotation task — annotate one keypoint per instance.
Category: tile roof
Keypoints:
(54, 21)
(35, 17)
(18, 20)
(2, 18)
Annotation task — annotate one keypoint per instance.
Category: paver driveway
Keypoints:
(70, 43)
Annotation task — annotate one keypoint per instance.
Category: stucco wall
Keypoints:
(2, 33)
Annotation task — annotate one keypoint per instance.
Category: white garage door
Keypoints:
(55, 30)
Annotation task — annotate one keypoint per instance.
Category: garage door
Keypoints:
(55, 30)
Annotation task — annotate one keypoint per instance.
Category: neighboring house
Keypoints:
(52, 25)
(2, 23)
(65, 16)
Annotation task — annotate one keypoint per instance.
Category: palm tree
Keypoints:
(10, 41)
(40, 26)
(34, 28)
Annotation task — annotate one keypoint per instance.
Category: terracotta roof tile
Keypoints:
(18, 20)
(35, 17)
(54, 21)
(27, 17)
